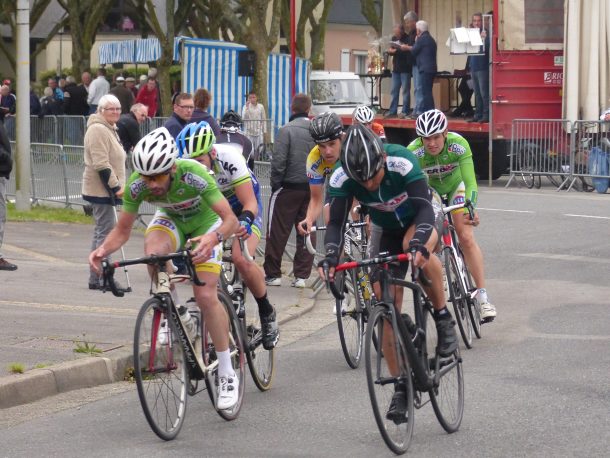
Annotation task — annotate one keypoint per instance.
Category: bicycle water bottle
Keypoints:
(363, 281)
(188, 321)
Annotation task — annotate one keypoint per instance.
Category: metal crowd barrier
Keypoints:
(558, 150)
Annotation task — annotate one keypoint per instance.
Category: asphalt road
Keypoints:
(536, 384)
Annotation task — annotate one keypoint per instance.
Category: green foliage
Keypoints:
(48, 214)
(16, 368)
(86, 347)
(41, 365)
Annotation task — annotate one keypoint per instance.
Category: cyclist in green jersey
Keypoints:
(447, 160)
(191, 209)
(388, 180)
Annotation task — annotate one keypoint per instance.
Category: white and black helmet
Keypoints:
(155, 153)
(362, 153)
(363, 114)
(430, 123)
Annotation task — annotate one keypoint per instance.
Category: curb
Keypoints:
(92, 371)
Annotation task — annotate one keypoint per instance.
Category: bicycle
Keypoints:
(261, 362)
(168, 363)
(351, 317)
(460, 287)
(420, 372)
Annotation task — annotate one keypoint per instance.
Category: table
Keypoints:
(376, 84)
(453, 80)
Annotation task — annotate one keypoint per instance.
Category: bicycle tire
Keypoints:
(162, 390)
(349, 319)
(457, 297)
(236, 345)
(474, 311)
(447, 396)
(526, 164)
(379, 381)
(261, 362)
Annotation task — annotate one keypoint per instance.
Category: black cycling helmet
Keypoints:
(231, 121)
(362, 153)
(325, 127)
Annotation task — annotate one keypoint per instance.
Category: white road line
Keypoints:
(504, 210)
(73, 308)
(565, 257)
(587, 216)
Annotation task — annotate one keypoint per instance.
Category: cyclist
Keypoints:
(327, 131)
(388, 180)
(240, 187)
(230, 132)
(191, 209)
(364, 115)
(447, 160)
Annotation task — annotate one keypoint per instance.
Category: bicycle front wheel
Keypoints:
(457, 297)
(396, 433)
(447, 395)
(349, 319)
(160, 370)
(261, 362)
(474, 311)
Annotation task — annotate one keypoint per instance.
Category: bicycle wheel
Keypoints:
(447, 395)
(381, 383)
(526, 164)
(457, 296)
(261, 362)
(474, 311)
(349, 319)
(236, 347)
(160, 371)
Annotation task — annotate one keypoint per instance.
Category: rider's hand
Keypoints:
(245, 224)
(422, 255)
(331, 260)
(95, 259)
(471, 222)
(203, 246)
(304, 227)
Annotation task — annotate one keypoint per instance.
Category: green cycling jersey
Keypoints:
(190, 197)
(451, 167)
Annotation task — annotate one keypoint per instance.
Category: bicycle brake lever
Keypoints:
(108, 277)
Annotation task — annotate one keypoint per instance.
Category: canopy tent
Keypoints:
(141, 50)
(586, 86)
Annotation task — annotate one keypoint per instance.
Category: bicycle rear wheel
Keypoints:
(381, 383)
(349, 319)
(261, 362)
(457, 297)
(160, 371)
(236, 347)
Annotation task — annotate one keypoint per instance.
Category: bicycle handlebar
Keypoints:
(109, 267)
(313, 229)
(467, 205)
(244, 250)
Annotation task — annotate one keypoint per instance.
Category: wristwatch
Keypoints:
(219, 237)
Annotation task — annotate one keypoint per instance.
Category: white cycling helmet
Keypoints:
(363, 114)
(430, 123)
(155, 153)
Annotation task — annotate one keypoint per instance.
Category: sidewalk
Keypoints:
(47, 311)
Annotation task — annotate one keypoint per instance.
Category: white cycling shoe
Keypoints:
(228, 392)
(488, 312)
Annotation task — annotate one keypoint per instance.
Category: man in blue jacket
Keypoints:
(479, 69)
(424, 51)
(183, 111)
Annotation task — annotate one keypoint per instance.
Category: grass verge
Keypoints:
(48, 214)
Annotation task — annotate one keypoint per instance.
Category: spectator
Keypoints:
(58, 94)
(6, 165)
(129, 126)
(409, 21)
(130, 83)
(605, 116)
(254, 117)
(104, 174)
(183, 111)
(49, 105)
(35, 107)
(290, 195)
(99, 87)
(176, 86)
(402, 68)
(202, 101)
(61, 84)
(424, 51)
(124, 95)
(148, 96)
(8, 102)
(142, 83)
(86, 80)
(479, 71)
(230, 132)
(75, 98)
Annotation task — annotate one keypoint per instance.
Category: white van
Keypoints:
(340, 92)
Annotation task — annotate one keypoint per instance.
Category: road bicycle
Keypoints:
(352, 311)
(261, 362)
(419, 367)
(168, 362)
(460, 287)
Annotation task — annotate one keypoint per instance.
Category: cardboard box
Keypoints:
(440, 93)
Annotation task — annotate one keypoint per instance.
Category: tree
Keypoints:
(84, 18)
(373, 13)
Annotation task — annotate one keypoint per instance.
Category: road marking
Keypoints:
(565, 257)
(541, 335)
(504, 210)
(40, 256)
(73, 308)
(586, 216)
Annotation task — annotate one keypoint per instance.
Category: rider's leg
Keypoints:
(472, 252)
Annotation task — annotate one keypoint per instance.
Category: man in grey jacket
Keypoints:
(290, 195)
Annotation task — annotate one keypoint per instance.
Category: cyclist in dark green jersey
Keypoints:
(447, 160)
(191, 209)
(388, 180)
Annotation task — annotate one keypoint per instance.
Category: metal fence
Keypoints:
(567, 154)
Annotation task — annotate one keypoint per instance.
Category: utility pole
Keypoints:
(23, 194)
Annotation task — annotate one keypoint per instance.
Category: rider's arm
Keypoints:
(246, 196)
(469, 178)
(419, 197)
(229, 220)
(333, 241)
(315, 202)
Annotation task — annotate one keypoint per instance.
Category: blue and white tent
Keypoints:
(141, 50)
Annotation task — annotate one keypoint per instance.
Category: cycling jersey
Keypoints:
(389, 205)
(451, 167)
(317, 168)
(240, 141)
